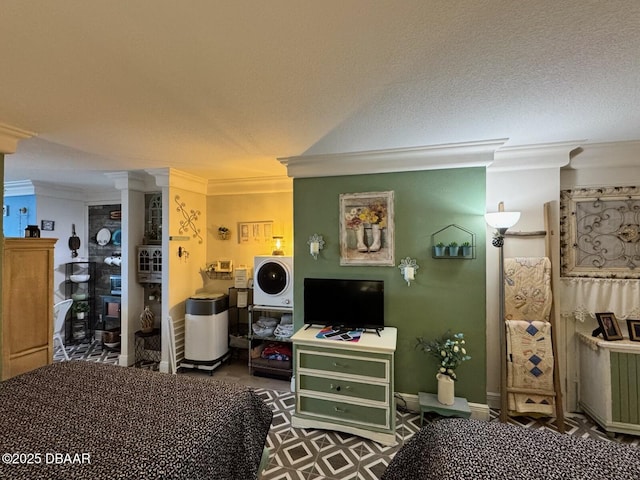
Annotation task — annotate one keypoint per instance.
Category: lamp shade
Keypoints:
(502, 219)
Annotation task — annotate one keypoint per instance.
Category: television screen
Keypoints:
(344, 303)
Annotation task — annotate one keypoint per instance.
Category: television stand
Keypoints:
(346, 386)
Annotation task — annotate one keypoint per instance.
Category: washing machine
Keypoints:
(206, 331)
(273, 281)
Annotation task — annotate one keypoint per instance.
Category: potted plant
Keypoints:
(453, 249)
(80, 309)
(223, 233)
(438, 249)
(467, 249)
(449, 350)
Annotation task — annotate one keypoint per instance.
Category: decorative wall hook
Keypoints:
(316, 243)
(408, 268)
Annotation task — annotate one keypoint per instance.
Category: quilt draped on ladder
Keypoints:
(528, 332)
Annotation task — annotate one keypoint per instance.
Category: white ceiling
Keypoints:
(221, 89)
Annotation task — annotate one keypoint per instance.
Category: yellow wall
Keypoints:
(229, 210)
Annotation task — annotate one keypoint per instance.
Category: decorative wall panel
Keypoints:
(600, 232)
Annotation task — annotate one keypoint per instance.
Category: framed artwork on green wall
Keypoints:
(367, 229)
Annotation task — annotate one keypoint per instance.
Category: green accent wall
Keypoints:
(446, 293)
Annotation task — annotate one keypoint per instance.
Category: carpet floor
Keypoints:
(322, 454)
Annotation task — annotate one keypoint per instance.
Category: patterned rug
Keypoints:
(319, 454)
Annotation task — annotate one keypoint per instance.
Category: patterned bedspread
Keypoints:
(451, 449)
(83, 420)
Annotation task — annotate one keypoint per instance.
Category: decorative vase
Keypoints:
(376, 244)
(446, 389)
(147, 320)
(360, 246)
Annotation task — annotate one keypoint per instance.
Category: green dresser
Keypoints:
(346, 386)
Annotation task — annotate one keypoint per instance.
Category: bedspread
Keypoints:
(128, 423)
(451, 449)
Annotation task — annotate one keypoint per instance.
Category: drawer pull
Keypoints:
(338, 388)
(339, 410)
(338, 365)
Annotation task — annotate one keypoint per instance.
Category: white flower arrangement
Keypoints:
(449, 350)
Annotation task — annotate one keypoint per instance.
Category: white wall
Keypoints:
(525, 191)
(610, 164)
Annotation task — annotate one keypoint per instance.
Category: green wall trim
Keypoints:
(446, 294)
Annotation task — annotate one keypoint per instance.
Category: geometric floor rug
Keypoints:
(322, 454)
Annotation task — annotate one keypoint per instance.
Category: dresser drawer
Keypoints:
(343, 364)
(344, 388)
(346, 412)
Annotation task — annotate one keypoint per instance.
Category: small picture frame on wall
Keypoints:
(634, 329)
(47, 225)
(609, 326)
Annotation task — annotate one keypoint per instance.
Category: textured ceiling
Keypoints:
(222, 89)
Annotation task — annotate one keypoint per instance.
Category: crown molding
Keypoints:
(171, 177)
(9, 137)
(435, 157)
(534, 157)
(44, 189)
(607, 155)
(242, 186)
(128, 180)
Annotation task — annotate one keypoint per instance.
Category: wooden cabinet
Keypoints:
(27, 305)
(610, 383)
(346, 386)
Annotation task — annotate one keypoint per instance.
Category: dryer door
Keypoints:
(272, 278)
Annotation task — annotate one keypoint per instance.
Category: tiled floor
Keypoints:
(318, 454)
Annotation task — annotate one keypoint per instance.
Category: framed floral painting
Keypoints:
(366, 229)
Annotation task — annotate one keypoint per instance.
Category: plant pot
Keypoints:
(446, 389)
(438, 251)
(80, 315)
(453, 251)
(467, 251)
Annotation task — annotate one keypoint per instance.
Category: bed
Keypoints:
(80, 420)
(450, 449)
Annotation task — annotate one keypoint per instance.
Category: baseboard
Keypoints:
(479, 411)
(493, 400)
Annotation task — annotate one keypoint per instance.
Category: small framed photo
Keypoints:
(47, 225)
(634, 329)
(609, 326)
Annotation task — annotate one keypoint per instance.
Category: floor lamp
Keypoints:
(502, 221)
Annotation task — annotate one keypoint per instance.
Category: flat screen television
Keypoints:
(344, 304)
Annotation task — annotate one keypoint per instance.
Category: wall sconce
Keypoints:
(408, 268)
(316, 243)
(501, 221)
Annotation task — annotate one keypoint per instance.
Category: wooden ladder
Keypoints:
(556, 393)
